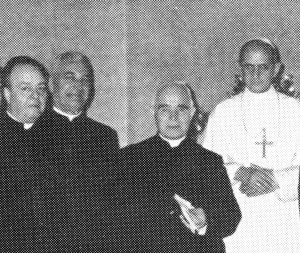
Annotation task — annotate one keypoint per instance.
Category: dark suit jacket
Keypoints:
(21, 219)
(151, 172)
(78, 159)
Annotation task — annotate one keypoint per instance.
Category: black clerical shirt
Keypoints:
(21, 222)
(79, 157)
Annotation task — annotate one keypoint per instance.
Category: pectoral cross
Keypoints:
(264, 143)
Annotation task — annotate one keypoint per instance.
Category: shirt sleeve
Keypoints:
(222, 207)
(202, 231)
(214, 141)
(288, 180)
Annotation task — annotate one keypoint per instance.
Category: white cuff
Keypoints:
(202, 231)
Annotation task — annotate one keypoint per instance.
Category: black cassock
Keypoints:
(21, 191)
(150, 174)
(78, 157)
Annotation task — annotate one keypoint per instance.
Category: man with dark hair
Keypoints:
(25, 90)
(82, 152)
(175, 196)
(257, 133)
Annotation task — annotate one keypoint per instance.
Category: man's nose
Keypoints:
(76, 82)
(174, 115)
(256, 73)
(34, 94)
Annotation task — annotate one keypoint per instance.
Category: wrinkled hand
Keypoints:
(260, 181)
(243, 174)
(197, 215)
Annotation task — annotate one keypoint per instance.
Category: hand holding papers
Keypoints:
(193, 218)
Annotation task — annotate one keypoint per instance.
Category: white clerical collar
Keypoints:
(173, 143)
(260, 96)
(257, 103)
(69, 116)
(26, 125)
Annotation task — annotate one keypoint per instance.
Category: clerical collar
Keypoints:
(173, 143)
(69, 116)
(26, 125)
(261, 96)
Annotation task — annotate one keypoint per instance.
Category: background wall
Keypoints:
(135, 44)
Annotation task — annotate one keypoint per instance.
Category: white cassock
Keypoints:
(262, 129)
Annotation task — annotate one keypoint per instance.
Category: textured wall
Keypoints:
(135, 44)
(198, 41)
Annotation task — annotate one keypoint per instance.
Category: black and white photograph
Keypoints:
(164, 126)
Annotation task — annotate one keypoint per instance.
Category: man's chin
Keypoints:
(75, 107)
(31, 117)
(259, 89)
(173, 136)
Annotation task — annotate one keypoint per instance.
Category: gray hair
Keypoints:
(71, 57)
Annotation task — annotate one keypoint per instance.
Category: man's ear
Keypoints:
(6, 93)
(50, 85)
(153, 106)
(193, 111)
(153, 110)
(277, 68)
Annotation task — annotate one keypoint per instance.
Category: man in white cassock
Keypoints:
(258, 134)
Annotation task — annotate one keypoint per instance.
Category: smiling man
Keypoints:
(25, 83)
(72, 83)
(176, 196)
(81, 151)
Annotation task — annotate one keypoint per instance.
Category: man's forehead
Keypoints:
(257, 57)
(257, 52)
(173, 97)
(73, 66)
(26, 73)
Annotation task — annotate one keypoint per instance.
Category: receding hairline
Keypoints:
(182, 87)
(71, 57)
(259, 45)
(22, 60)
